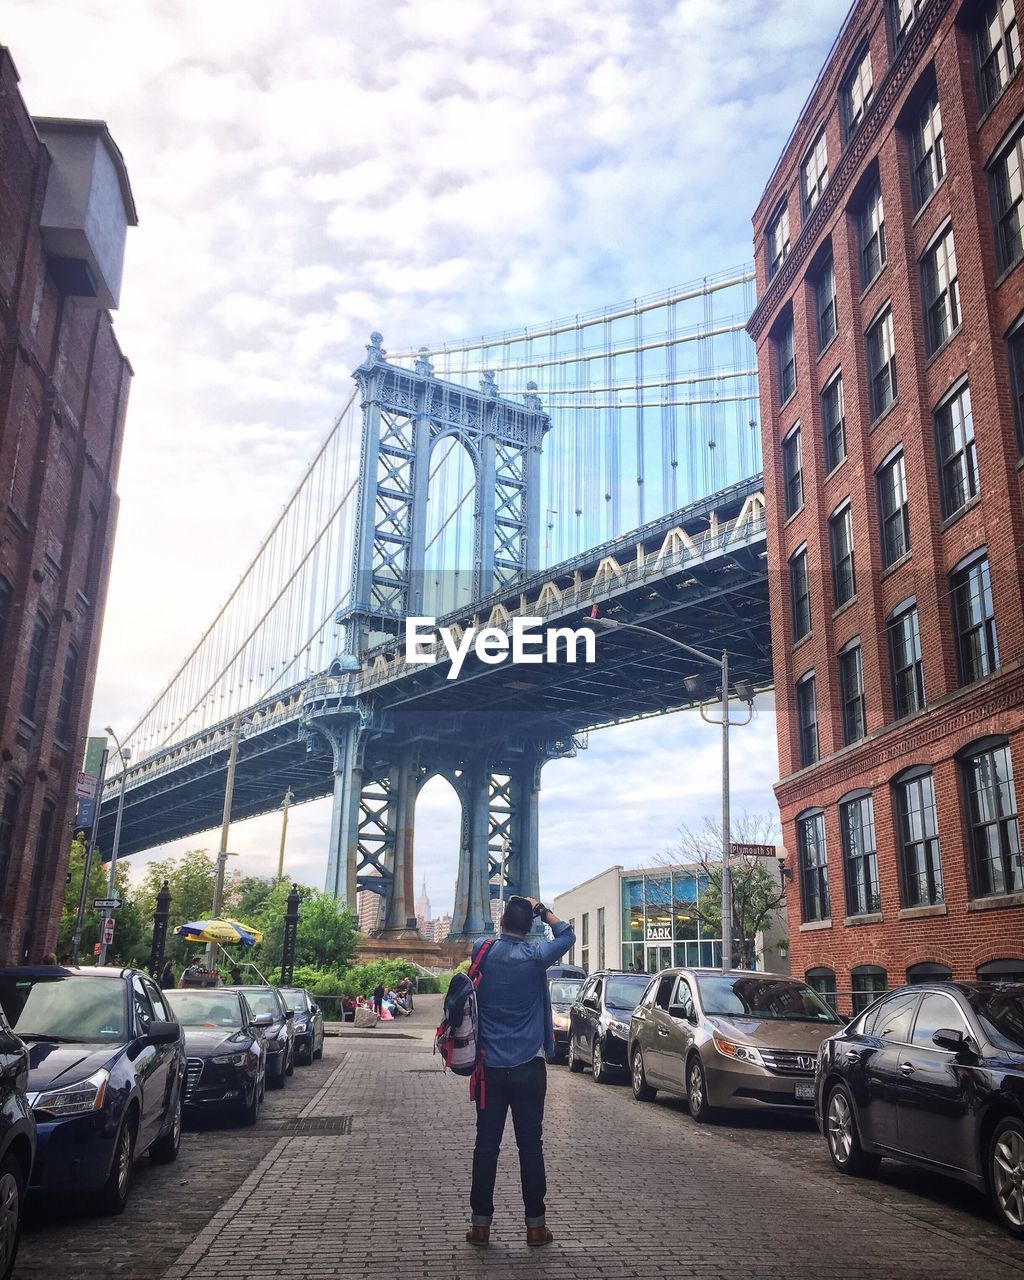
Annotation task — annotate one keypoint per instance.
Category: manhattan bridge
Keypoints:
(609, 459)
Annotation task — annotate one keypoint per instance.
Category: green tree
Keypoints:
(190, 880)
(248, 896)
(130, 942)
(326, 934)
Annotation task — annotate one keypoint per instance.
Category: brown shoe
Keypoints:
(479, 1236)
(536, 1236)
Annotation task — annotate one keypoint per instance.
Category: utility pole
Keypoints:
(90, 848)
(222, 854)
(108, 920)
(288, 798)
(727, 923)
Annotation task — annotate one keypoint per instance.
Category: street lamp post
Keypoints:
(288, 798)
(125, 755)
(693, 683)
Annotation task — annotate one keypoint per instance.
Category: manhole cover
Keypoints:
(311, 1124)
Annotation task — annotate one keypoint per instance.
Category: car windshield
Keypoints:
(66, 1008)
(205, 1009)
(1000, 1011)
(624, 992)
(263, 1002)
(565, 990)
(295, 1000)
(760, 996)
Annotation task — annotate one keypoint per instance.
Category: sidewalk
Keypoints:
(376, 1185)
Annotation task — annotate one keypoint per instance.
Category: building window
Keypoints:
(8, 821)
(800, 594)
(994, 835)
(777, 240)
(882, 364)
(840, 545)
(860, 861)
(825, 303)
(905, 659)
(856, 93)
(40, 869)
(813, 866)
(997, 49)
(814, 174)
(833, 423)
(33, 676)
(67, 695)
(958, 458)
(786, 353)
(793, 471)
(871, 231)
(585, 940)
(892, 509)
(600, 937)
(5, 607)
(918, 826)
(940, 292)
(904, 13)
(851, 690)
(824, 982)
(1015, 357)
(974, 620)
(1007, 185)
(929, 971)
(807, 719)
(927, 150)
(868, 982)
(1001, 971)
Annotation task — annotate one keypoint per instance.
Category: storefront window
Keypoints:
(660, 924)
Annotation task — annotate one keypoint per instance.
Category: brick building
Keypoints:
(889, 245)
(65, 204)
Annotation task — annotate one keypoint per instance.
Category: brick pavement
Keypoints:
(635, 1191)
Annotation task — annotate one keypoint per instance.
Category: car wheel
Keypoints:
(842, 1137)
(1006, 1174)
(642, 1091)
(12, 1203)
(165, 1149)
(572, 1058)
(320, 1052)
(251, 1110)
(599, 1066)
(277, 1079)
(697, 1091)
(113, 1196)
(289, 1062)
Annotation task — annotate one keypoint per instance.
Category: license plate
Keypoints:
(805, 1093)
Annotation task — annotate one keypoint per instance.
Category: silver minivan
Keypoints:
(742, 1039)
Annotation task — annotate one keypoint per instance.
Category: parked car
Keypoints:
(932, 1075)
(17, 1144)
(308, 1023)
(226, 1054)
(565, 971)
(741, 1039)
(279, 1033)
(106, 1075)
(599, 1022)
(563, 992)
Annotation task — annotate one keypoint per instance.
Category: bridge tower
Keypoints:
(379, 762)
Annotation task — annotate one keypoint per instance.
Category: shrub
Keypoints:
(361, 980)
(428, 984)
(329, 984)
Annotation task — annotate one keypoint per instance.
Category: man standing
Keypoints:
(516, 1034)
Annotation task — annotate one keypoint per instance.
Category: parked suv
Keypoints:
(733, 1040)
(599, 1022)
(563, 992)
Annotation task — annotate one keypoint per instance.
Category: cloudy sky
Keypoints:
(306, 172)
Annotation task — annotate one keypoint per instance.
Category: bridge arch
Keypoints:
(451, 525)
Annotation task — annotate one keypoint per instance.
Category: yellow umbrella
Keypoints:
(222, 930)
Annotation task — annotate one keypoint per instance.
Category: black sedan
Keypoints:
(226, 1052)
(106, 1075)
(932, 1075)
(278, 1033)
(599, 1022)
(17, 1144)
(307, 1023)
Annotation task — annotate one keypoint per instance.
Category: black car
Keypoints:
(106, 1075)
(599, 1021)
(225, 1049)
(932, 1075)
(278, 1034)
(308, 1024)
(17, 1144)
(563, 992)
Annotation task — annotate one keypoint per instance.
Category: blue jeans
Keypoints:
(522, 1089)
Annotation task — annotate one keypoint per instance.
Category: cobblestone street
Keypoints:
(361, 1167)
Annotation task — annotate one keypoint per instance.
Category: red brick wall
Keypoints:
(966, 934)
(63, 396)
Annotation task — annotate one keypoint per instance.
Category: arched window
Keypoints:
(40, 873)
(34, 673)
(917, 826)
(867, 981)
(5, 607)
(1001, 971)
(929, 971)
(8, 821)
(67, 695)
(991, 810)
(813, 864)
(823, 981)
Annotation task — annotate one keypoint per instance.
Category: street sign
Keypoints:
(106, 904)
(108, 932)
(754, 851)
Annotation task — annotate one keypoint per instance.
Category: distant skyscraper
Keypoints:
(440, 929)
(423, 903)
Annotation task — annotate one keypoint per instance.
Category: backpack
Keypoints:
(458, 1037)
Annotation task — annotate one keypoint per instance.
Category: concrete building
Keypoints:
(646, 917)
(65, 206)
(890, 341)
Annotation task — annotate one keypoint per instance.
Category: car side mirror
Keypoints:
(289, 1014)
(952, 1041)
(263, 1020)
(163, 1032)
(314, 1009)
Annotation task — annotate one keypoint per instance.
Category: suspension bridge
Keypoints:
(609, 459)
